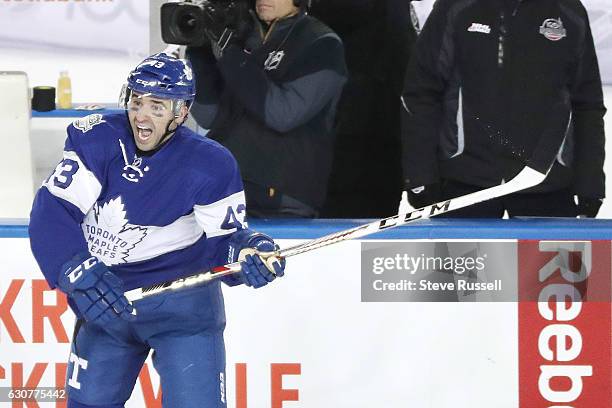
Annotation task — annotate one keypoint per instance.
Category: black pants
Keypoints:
(266, 202)
(558, 203)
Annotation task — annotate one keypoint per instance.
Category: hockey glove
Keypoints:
(425, 195)
(97, 293)
(588, 207)
(255, 251)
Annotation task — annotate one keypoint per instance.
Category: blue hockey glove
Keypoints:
(253, 249)
(97, 293)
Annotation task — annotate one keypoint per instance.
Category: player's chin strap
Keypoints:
(526, 178)
(168, 133)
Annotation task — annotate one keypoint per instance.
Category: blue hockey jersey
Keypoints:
(150, 219)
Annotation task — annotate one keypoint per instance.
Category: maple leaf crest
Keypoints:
(109, 235)
(112, 215)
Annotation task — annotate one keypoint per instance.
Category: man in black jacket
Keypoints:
(378, 36)
(269, 94)
(494, 83)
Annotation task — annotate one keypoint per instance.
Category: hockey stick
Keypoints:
(528, 177)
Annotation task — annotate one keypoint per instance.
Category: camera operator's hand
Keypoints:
(230, 24)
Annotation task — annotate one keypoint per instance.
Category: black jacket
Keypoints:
(378, 36)
(495, 83)
(274, 107)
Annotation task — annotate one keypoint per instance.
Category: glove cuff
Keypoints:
(72, 271)
(250, 238)
(247, 241)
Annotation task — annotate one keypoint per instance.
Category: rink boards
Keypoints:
(316, 339)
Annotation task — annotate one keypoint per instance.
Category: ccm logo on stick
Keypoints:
(425, 212)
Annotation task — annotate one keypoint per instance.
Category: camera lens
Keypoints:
(187, 23)
(183, 23)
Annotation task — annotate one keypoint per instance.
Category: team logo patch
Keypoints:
(274, 59)
(86, 123)
(109, 235)
(553, 29)
(479, 28)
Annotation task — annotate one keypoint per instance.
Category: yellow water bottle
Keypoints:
(64, 91)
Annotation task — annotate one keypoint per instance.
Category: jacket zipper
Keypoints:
(503, 30)
(501, 40)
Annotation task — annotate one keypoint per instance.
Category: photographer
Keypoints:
(268, 83)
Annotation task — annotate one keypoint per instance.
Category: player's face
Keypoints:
(270, 10)
(150, 117)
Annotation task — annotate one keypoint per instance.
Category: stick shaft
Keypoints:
(527, 178)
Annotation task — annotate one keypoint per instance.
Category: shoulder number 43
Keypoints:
(62, 176)
(234, 219)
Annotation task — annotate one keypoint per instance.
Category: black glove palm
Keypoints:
(588, 207)
(425, 195)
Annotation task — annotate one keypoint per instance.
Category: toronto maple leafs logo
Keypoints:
(109, 235)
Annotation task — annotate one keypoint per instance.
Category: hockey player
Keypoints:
(137, 200)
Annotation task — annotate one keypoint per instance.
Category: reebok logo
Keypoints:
(479, 28)
(565, 331)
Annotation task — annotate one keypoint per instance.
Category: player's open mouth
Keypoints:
(144, 133)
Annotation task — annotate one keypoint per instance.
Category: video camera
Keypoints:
(187, 22)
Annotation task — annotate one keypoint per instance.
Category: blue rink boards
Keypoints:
(524, 228)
